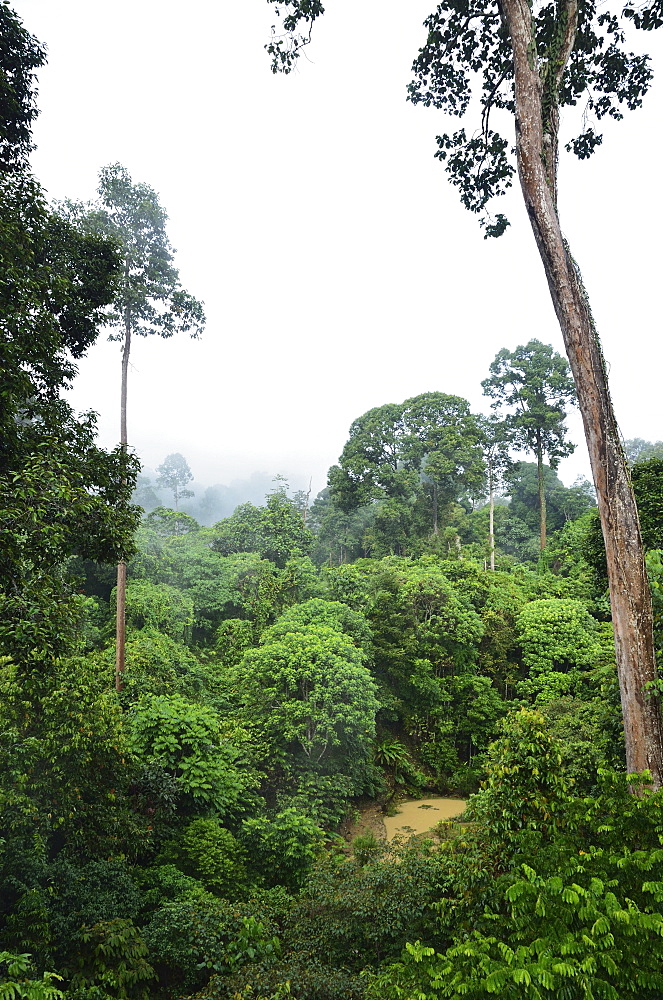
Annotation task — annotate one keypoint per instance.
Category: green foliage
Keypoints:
(78, 894)
(21, 56)
(526, 788)
(59, 492)
(563, 504)
(638, 450)
(416, 457)
(655, 572)
(589, 734)
(166, 523)
(559, 938)
(156, 664)
(557, 634)
(424, 632)
(237, 586)
(149, 299)
(281, 847)
(534, 385)
(277, 531)
(159, 607)
(317, 611)
(647, 478)
(339, 537)
(355, 913)
(65, 762)
(186, 739)
(322, 796)
(187, 936)
(20, 987)
(466, 63)
(251, 944)
(390, 752)
(365, 847)
(197, 934)
(281, 992)
(310, 688)
(209, 853)
(112, 955)
(233, 637)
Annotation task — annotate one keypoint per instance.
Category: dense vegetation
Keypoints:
(180, 836)
(284, 665)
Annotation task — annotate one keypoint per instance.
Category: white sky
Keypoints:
(338, 269)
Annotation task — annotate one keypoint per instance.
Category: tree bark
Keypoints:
(630, 599)
(121, 588)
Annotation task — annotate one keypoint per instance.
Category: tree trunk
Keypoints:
(542, 492)
(630, 599)
(436, 527)
(121, 589)
(491, 516)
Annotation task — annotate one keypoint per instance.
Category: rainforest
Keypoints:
(399, 740)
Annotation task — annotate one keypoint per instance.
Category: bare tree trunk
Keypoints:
(543, 527)
(491, 515)
(121, 588)
(308, 497)
(630, 597)
(436, 527)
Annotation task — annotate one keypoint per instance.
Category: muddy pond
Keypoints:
(420, 815)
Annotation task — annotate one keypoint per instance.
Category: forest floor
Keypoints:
(370, 819)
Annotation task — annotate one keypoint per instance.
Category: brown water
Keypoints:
(421, 815)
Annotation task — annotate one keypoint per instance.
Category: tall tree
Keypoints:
(174, 474)
(495, 440)
(59, 493)
(426, 448)
(530, 60)
(150, 299)
(533, 384)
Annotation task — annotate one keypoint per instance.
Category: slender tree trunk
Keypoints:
(536, 141)
(491, 515)
(121, 589)
(436, 527)
(308, 497)
(542, 493)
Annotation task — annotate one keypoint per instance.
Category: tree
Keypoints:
(186, 740)
(532, 63)
(174, 474)
(59, 492)
(426, 449)
(277, 531)
(639, 450)
(562, 503)
(149, 300)
(534, 382)
(309, 687)
(20, 55)
(496, 438)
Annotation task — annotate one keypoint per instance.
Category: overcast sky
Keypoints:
(338, 269)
